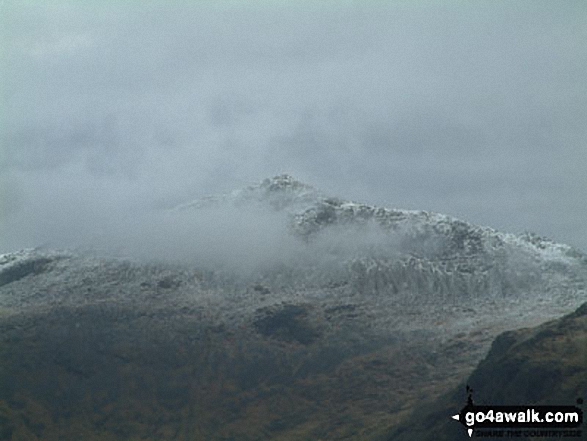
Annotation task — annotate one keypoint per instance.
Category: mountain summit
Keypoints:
(279, 192)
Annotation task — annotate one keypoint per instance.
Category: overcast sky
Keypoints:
(477, 109)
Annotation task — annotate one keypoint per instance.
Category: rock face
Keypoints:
(544, 365)
(375, 311)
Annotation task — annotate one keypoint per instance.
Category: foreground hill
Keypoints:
(362, 313)
(544, 365)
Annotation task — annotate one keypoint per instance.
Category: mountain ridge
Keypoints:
(309, 205)
(406, 238)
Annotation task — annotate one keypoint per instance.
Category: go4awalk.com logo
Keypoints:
(520, 421)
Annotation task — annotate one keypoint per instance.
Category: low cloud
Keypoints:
(474, 110)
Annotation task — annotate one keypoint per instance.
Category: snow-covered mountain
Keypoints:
(412, 255)
(359, 312)
(392, 258)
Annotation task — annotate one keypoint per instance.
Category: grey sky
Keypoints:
(474, 109)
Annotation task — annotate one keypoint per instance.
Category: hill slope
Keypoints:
(544, 365)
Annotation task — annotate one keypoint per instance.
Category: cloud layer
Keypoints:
(471, 109)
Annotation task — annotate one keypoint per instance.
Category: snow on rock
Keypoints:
(17, 265)
(410, 256)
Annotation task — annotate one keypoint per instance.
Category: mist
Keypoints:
(113, 113)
